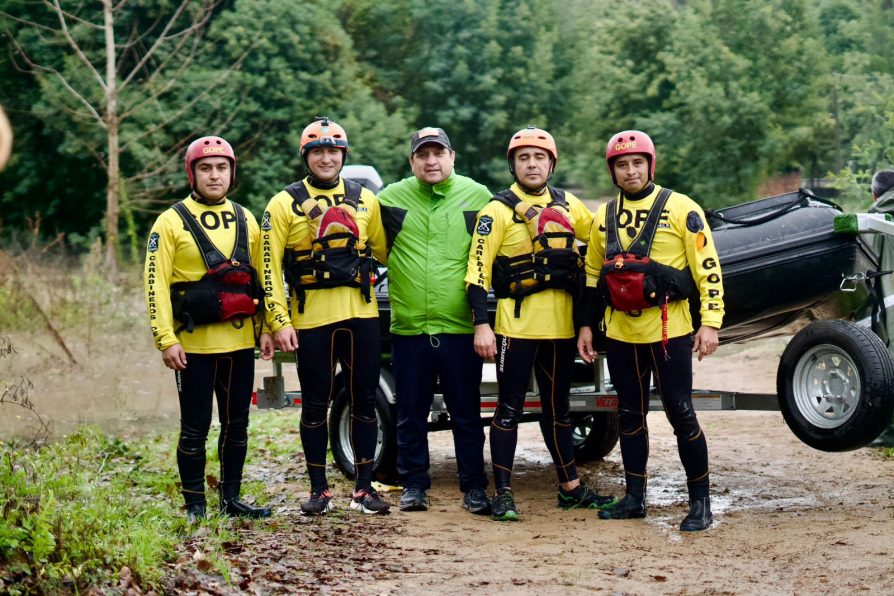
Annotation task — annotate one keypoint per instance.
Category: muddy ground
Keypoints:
(788, 519)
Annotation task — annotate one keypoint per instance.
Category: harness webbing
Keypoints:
(210, 253)
(303, 260)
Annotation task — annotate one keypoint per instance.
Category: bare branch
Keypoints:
(163, 37)
(138, 36)
(75, 17)
(26, 22)
(74, 45)
(186, 107)
(62, 79)
(186, 61)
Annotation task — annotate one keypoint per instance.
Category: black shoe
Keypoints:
(476, 502)
(236, 508)
(629, 507)
(414, 499)
(320, 502)
(195, 512)
(583, 497)
(504, 508)
(699, 517)
(886, 439)
(367, 500)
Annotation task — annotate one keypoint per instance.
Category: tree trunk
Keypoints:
(112, 122)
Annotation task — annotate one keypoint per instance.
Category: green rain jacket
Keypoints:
(429, 229)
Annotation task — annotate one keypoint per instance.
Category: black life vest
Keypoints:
(336, 257)
(229, 289)
(555, 261)
(631, 281)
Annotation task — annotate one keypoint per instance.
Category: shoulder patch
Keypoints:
(484, 225)
(265, 221)
(153, 242)
(694, 222)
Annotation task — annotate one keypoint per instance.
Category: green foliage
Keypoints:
(733, 92)
(77, 511)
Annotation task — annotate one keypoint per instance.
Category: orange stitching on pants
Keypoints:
(228, 391)
(642, 399)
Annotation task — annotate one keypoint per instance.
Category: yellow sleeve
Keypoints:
(157, 282)
(595, 248)
(582, 218)
(275, 226)
(254, 250)
(490, 227)
(704, 263)
(375, 231)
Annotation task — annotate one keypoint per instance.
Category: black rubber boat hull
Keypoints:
(785, 271)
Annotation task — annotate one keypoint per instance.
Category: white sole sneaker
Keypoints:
(359, 506)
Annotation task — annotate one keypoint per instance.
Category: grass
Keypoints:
(77, 511)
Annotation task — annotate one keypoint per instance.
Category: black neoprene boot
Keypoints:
(699, 517)
(195, 512)
(231, 505)
(629, 507)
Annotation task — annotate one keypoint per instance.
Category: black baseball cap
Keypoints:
(429, 134)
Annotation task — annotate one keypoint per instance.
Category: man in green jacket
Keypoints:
(429, 219)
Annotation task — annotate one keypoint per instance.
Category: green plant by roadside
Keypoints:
(91, 510)
(77, 511)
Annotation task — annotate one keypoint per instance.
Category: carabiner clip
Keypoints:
(849, 282)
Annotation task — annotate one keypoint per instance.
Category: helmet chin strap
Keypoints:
(319, 182)
(528, 189)
(200, 198)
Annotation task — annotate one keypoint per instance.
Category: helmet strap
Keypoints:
(320, 183)
(527, 189)
(323, 184)
(199, 198)
(640, 194)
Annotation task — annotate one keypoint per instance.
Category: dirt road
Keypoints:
(788, 520)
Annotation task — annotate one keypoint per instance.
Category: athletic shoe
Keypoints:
(320, 502)
(414, 499)
(583, 497)
(629, 507)
(504, 508)
(367, 500)
(476, 502)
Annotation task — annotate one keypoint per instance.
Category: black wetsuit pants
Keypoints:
(230, 376)
(552, 361)
(631, 367)
(355, 343)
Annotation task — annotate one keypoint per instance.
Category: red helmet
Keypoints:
(208, 147)
(531, 136)
(323, 132)
(626, 143)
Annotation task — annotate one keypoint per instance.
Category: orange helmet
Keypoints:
(531, 136)
(323, 132)
(626, 143)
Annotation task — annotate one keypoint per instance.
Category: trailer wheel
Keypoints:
(385, 458)
(594, 435)
(836, 385)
